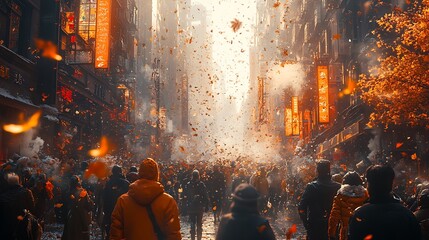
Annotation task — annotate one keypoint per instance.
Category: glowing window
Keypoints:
(87, 19)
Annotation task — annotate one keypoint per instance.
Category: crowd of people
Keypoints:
(152, 200)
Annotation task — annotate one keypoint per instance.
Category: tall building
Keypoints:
(19, 90)
(76, 63)
(170, 78)
(331, 39)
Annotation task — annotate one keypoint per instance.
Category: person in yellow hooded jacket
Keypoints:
(350, 196)
(145, 202)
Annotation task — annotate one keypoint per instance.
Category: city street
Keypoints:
(128, 119)
(280, 226)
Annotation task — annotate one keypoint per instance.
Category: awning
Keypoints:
(17, 102)
(345, 135)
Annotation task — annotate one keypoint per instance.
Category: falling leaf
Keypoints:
(337, 36)
(32, 122)
(48, 49)
(399, 144)
(276, 4)
(285, 52)
(235, 25)
(414, 156)
(368, 237)
(102, 151)
(262, 228)
(83, 194)
(98, 169)
(182, 149)
(290, 232)
(58, 205)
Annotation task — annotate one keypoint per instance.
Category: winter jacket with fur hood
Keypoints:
(347, 200)
(130, 219)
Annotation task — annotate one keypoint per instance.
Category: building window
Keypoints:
(99, 91)
(87, 19)
(15, 19)
(10, 23)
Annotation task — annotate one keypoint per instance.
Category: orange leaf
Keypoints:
(98, 169)
(32, 122)
(336, 36)
(368, 237)
(276, 4)
(235, 25)
(83, 194)
(290, 232)
(285, 52)
(102, 151)
(48, 49)
(399, 144)
(262, 228)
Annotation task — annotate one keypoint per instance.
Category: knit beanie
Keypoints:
(149, 170)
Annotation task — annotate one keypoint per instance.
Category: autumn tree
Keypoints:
(398, 87)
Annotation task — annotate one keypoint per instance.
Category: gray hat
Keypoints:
(245, 193)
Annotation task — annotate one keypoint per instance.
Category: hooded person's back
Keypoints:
(130, 219)
(244, 222)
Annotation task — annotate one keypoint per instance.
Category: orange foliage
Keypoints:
(398, 89)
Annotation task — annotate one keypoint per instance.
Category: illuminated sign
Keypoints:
(323, 88)
(288, 121)
(295, 116)
(163, 118)
(102, 34)
(68, 23)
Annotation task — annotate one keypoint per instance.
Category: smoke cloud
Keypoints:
(285, 76)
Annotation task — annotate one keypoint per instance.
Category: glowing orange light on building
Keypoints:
(102, 40)
(295, 117)
(32, 122)
(323, 88)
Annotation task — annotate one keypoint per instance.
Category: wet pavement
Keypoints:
(280, 226)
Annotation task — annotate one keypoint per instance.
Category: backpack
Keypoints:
(197, 198)
(28, 228)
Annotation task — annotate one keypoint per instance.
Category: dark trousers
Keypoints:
(318, 231)
(196, 223)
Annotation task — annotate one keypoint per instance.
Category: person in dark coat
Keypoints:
(316, 202)
(422, 214)
(114, 188)
(239, 179)
(244, 222)
(217, 188)
(383, 217)
(197, 201)
(42, 193)
(133, 174)
(13, 203)
(79, 214)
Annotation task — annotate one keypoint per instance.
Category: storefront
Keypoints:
(17, 98)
